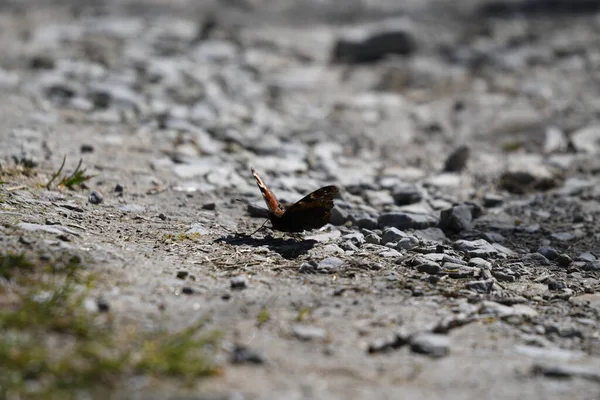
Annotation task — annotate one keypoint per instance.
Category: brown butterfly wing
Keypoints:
(275, 207)
(310, 212)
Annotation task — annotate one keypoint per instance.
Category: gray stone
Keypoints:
(585, 256)
(549, 252)
(338, 216)
(480, 263)
(491, 200)
(309, 332)
(407, 194)
(563, 260)
(407, 243)
(330, 265)
(456, 219)
(198, 229)
(555, 140)
(587, 140)
(392, 235)
(406, 220)
(95, 197)
(457, 160)
(366, 223)
(430, 234)
(373, 238)
(430, 267)
(238, 283)
(476, 248)
(430, 344)
(563, 236)
(484, 287)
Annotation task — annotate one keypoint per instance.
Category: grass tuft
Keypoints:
(52, 347)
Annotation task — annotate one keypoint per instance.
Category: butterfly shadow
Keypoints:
(287, 248)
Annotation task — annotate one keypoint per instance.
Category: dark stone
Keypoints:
(95, 198)
(491, 200)
(406, 220)
(407, 194)
(456, 219)
(87, 148)
(187, 290)
(119, 188)
(209, 206)
(431, 344)
(103, 305)
(563, 260)
(238, 283)
(244, 355)
(556, 285)
(457, 160)
(374, 48)
(484, 287)
(182, 274)
(549, 252)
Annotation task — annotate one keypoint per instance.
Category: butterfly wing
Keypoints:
(310, 212)
(275, 207)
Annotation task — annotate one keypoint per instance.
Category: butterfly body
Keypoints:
(310, 212)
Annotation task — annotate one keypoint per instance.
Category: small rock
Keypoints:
(162, 216)
(567, 370)
(457, 160)
(491, 200)
(563, 236)
(103, 305)
(586, 257)
(549, 252)
(563, 260)
(430, 234)
(198, 229)
(431, 344)
(366, 223)
(132, 208)
(556, 285)
(187, 290)
(484, 287)
(493, 237)
(309, 332)
(480, 263)
(87, 148)
(373, 48)
(373, 238)
(477, 248)
(119, 188)
(238, 283)
(407, 194)
(592, 266)
(407, 243)
(182, 274)
(430, 267)
(555, 141)
(95, 198)
(330, 265)
(392, 235)
(456, 219)
(308, 268)
(338, 216)
(391, 342)
(243, 355)
(587, 139)
(209, 206)
(406, 220)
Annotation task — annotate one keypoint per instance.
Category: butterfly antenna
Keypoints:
(259, 228)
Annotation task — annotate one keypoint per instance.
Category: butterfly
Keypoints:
(310, 212)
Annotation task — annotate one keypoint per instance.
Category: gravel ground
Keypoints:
(463, 255)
